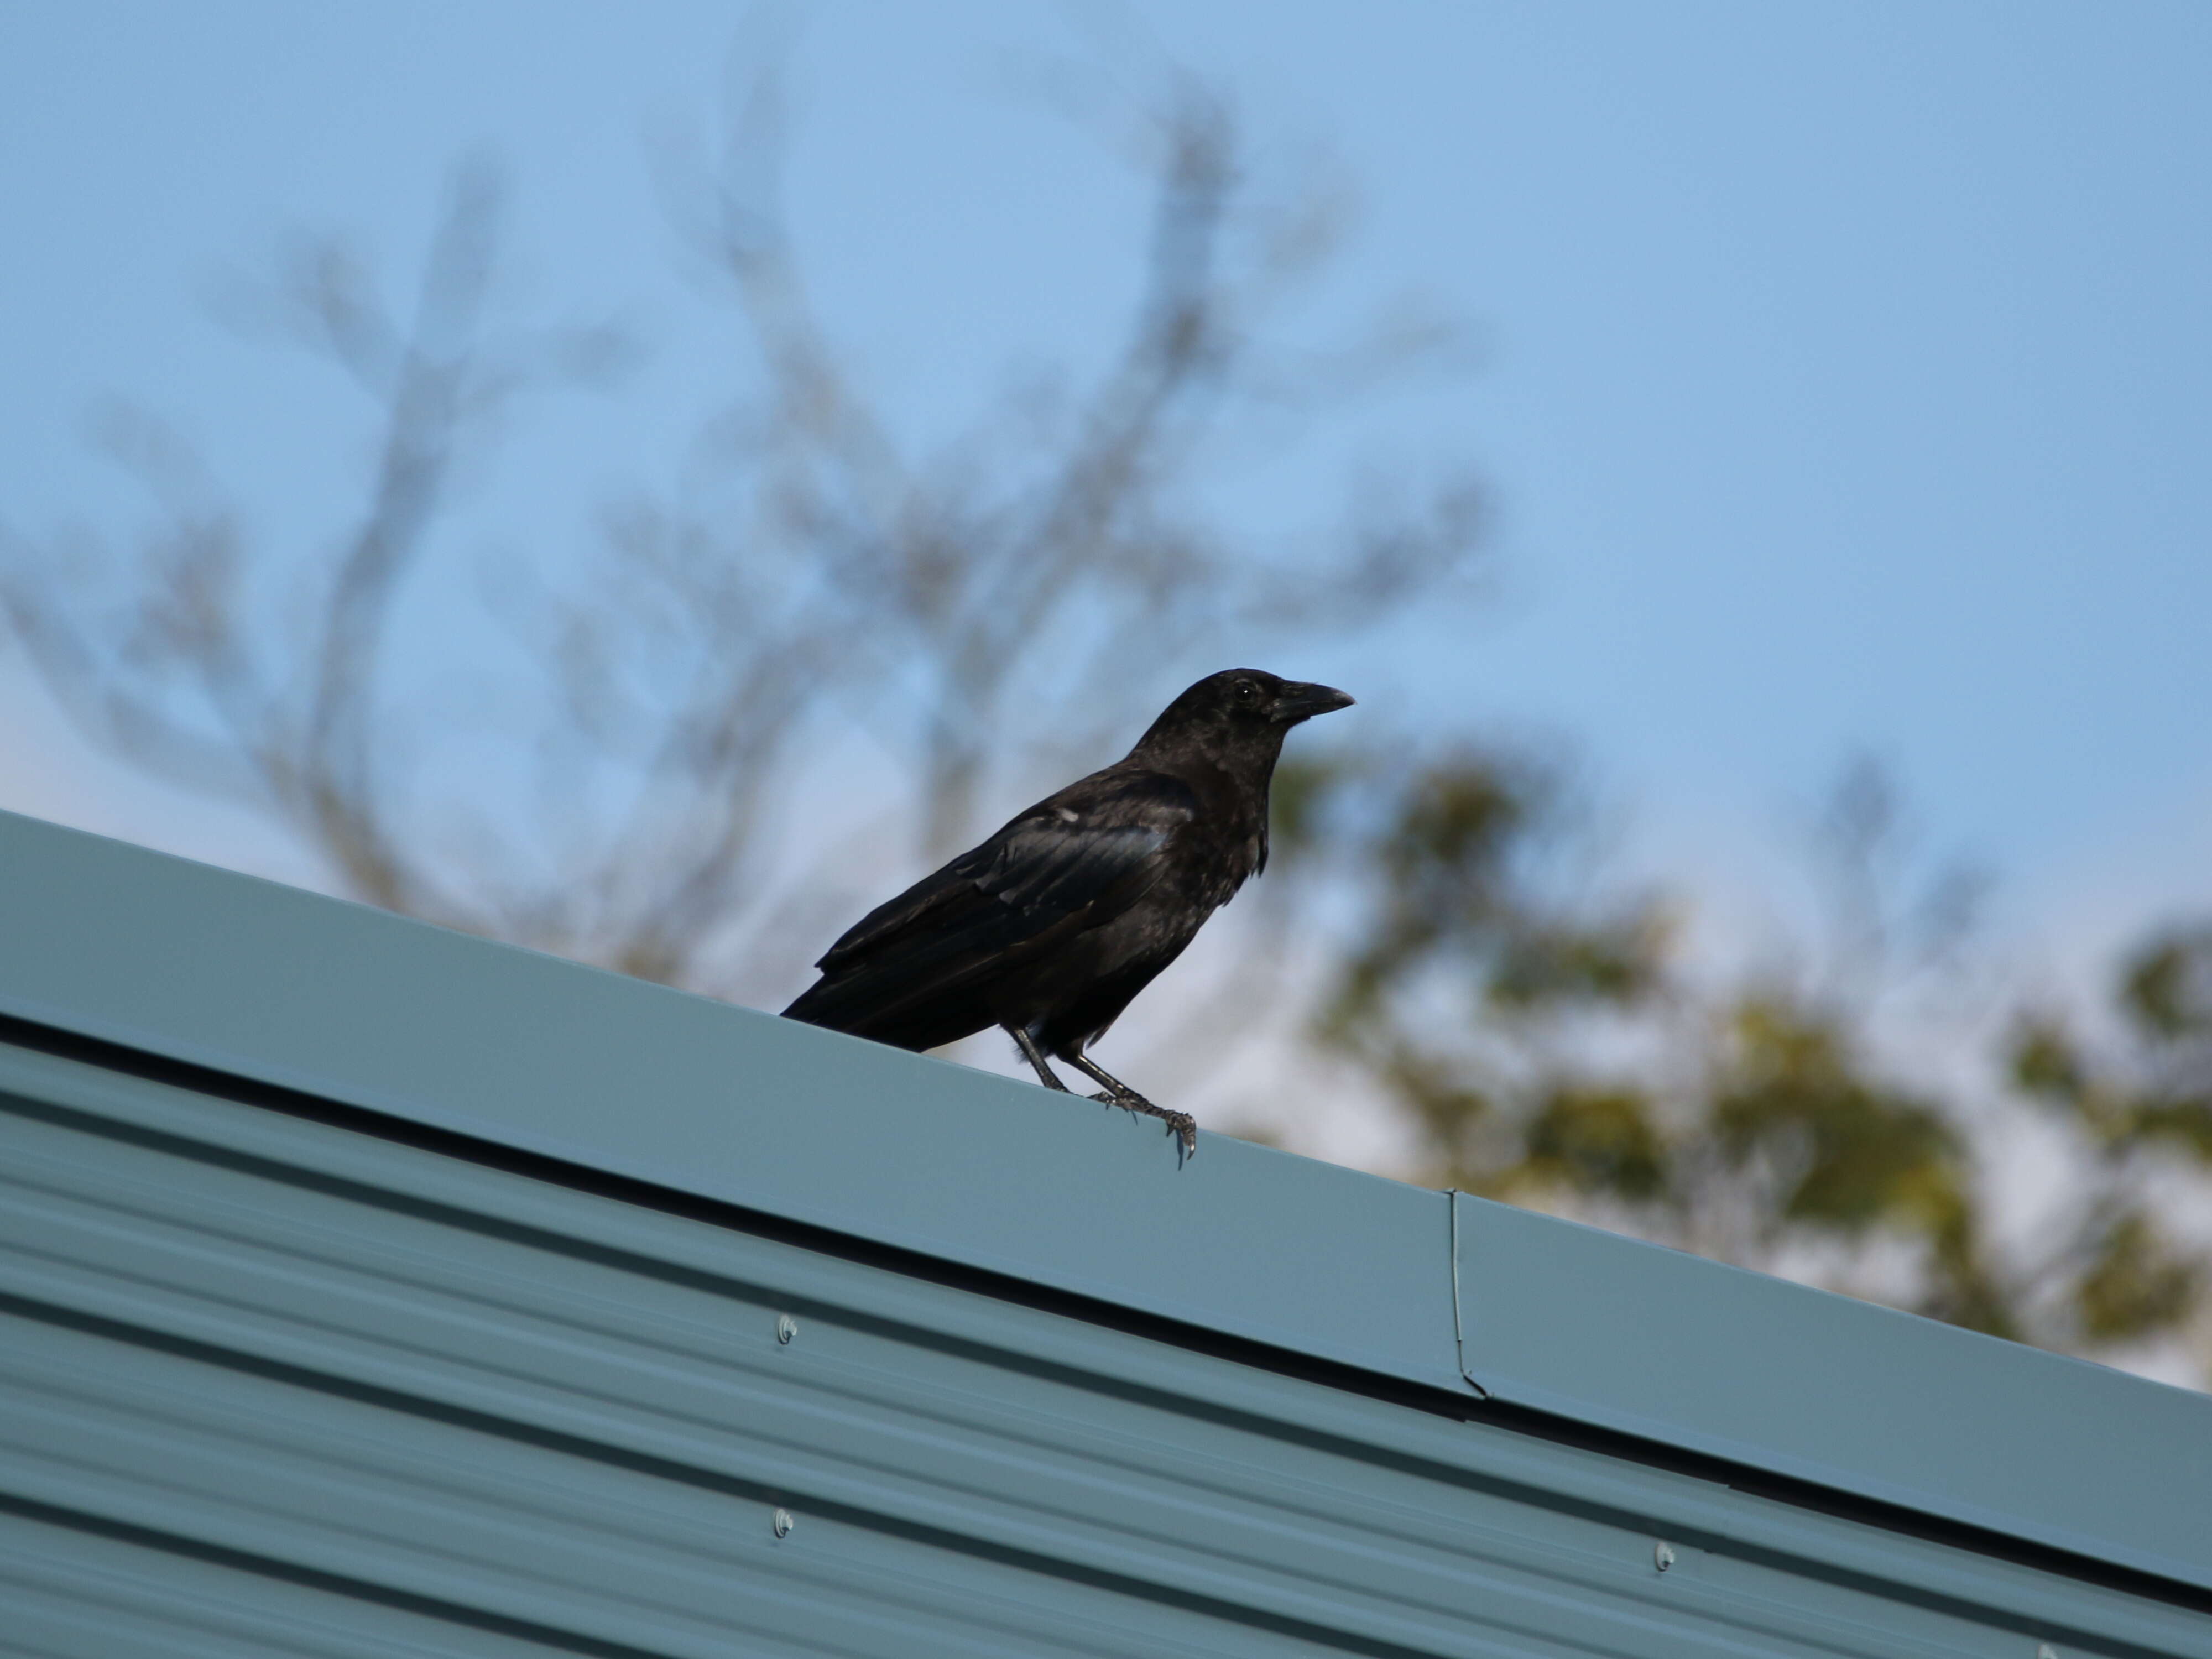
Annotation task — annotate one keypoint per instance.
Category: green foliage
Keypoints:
(1549, 1048)
(1595, 1139)
(1455, 896)
(2043, 1063)
(1296, 799)
(2140, 1111)
(1848, 1155)
(2136, 1282)
(1855, 1153)
(2167, 990)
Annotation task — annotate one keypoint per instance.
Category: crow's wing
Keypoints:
(1070, 863)
(1096, 846)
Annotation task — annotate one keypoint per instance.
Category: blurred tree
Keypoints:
(1554, 1049)
(166, 661)
(1042, 576)
(2138, 1113)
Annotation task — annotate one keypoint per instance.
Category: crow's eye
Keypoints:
(1246, 691)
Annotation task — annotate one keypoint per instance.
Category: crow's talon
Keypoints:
(1181, 1125)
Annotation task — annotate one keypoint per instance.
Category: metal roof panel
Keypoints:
(372, 1011)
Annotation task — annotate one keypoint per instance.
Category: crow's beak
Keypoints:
(1302, 702)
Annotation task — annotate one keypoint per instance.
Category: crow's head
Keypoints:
(1240, 710)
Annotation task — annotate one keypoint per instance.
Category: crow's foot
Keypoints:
(1181, 1125)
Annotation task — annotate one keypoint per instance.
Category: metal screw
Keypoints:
(782, 1522)
(1662, 1556)
(785, 1327)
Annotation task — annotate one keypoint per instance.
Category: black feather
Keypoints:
(1049, 927)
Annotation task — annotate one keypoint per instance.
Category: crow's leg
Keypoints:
(1035, 1055)
(1181, 1125)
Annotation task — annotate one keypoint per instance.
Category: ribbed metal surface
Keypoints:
(270, 1385)
(538, 1056)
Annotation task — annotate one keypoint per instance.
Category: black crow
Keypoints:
(1049, 927)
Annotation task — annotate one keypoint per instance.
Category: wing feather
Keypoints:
(1072, 862)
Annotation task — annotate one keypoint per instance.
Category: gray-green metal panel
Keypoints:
(270, 1385)
(1762, 1371)
(358, 1007)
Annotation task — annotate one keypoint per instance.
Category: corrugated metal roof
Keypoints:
(330, 1370)
(298, 1388)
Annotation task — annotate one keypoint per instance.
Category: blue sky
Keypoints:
(1845, 375)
